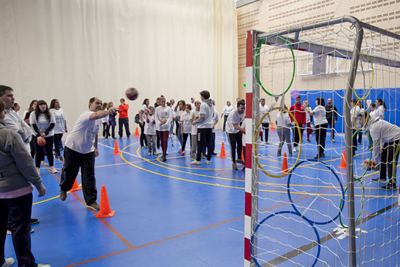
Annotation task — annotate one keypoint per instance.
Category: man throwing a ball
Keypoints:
(80, 151)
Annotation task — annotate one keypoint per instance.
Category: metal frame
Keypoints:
(355, 56)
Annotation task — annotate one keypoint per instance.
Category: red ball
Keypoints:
(132, 94)
(370, 165)
(41, 141)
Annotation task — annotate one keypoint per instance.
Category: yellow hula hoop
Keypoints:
(255, 141)
(354, 116)
(372, 81)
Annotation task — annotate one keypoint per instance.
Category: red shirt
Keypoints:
(299, 113)
(123, 111)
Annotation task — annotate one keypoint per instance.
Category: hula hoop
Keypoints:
(372, 80)
(255, 148)
(283, 212)
(258, 76)
(292, 203)
(362, 205)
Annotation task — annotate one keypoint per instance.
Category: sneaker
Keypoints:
(389, 186)
(278, 154)
(234, 166)
(333, 141)
(379, 180)
(207, 162)
(195, 162)
(294, 149)
(34, 221)
(94, 206)
(214, 154)
(63, 195)
(60, 158)
(44, 265)
(149, 153)
(240, 161)
(182, 153)
(44, 163)
(164, 159)
(53, 170)
(8, 262)
(30, 231)
(308, 140)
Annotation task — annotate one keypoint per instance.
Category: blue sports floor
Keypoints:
(175, 214)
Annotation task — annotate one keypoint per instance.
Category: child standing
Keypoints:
(284, 125)
(150, 130)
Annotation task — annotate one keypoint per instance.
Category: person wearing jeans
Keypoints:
(234, 131)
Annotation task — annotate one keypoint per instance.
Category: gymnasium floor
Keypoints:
(174, 214)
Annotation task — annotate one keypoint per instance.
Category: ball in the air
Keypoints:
(132, 93)
(41, 141)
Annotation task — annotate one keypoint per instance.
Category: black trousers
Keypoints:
(184, 139)
(212, 142)
(332, 125)
(387, 159)
(73, 161)
(266, 131)
(320, 136)
(296, 136)
(39, 151)
(123, 122)
(18, 212)
(57, 143)
(354, 142)
(225, 118)
(204, 136)
(235, 140)
(143, 140)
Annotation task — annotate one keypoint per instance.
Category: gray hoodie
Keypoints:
(206, 115)
(16, 165)
(382, 132)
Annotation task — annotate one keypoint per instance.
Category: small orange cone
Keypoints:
(75, 187)
(343, 162)
(116, 151)
(272, 126)
(137, 131)
(242, 154)
(105, 210)
(223, 155)
(284, 163)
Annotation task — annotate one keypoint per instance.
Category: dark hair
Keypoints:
(205, 94)
(321, 101)
(53, 103)
(13, 107)
(144, 101)
(183, 105)
(46, 112)
(373, 105)
(189, 106)
(92, 100)
(30, 109)
(354, 100)
(382, 103)
(122, 99)
(241, 102)
(4, 88)
(2, 106)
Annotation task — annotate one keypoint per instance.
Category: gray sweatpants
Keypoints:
(193, 145)
(284, 136)
(151, 143)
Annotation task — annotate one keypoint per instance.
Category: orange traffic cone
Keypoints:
(105, 210)
(116, 151)
(75, 187)
(343, 162)
(137, 131)
(272, 126)
(223, 155)
(242, 155)
(284, 163)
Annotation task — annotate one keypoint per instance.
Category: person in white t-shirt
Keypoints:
(163, 116)
(80, 152)
(104, 122)
(150, 130)
(380, 108)
(321, 124)
(204, 127)
(307, 109)
(194, 114)
(354, 112)
(225, 112)
(283, 127)
(60, 128)
(186, 126)
(235, 130)
(215, 121)
(43, 122)
(265, 123)
(178, 112)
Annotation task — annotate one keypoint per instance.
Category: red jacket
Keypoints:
(299, 113)
(123, 111)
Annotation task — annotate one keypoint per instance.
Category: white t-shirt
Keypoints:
(82, 136)
(354, 114)
(264, 109)
(163, 113)
(380, 112)
(150, 126)
(308, 117)
(215, 118)
(227, 110)
(185, 121)
(16, 124)
(234, 118)
(60, 126)
(283, 120)
(207, 110)
(42, 123)
(320, 115)
(193, 114)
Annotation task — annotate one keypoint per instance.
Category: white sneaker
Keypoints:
(44, 265)
(294, 149)
(8, 262)
(207, 162)
(44, 163)
(195, 162)
(53, 170)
